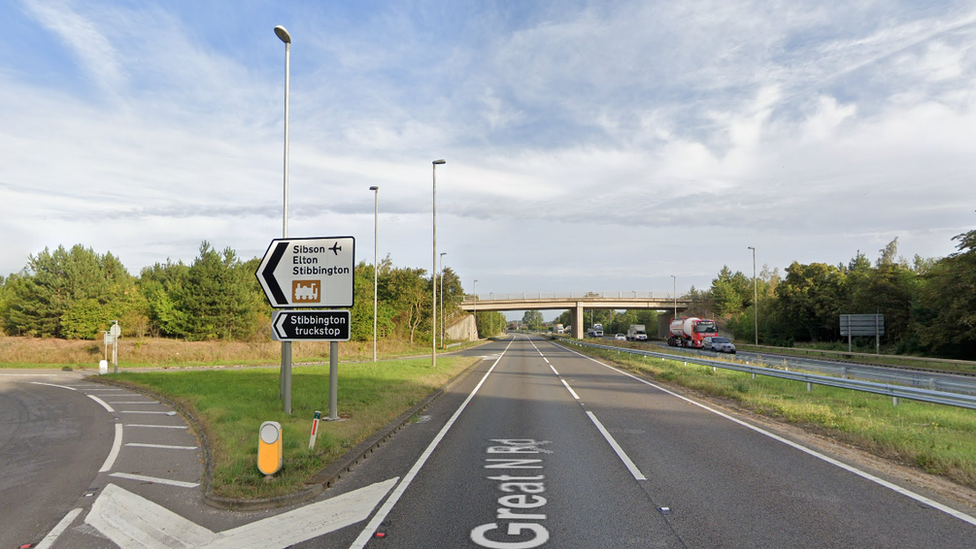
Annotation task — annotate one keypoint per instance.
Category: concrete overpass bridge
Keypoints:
(578, 301)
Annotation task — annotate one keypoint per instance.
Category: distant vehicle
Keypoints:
(690, 331)
(620, 337)
(559, 329)
(595, 331)
(636, 332)
(718, 344)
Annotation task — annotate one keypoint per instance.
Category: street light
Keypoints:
(442, 297)
(433, 268)
(755, 295)
(376, 265)
(476, 309)
(674, 292)
(285, 375)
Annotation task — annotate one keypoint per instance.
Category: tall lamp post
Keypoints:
(376, 264)
(285, 345)
(674, 293)
(476, 336)
(433, 268)
(755, 295)
(442, 297)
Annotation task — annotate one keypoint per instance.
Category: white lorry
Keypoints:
(636, 332)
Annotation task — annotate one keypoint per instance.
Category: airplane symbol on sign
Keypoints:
(336, 248)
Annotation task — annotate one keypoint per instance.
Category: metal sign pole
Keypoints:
(333, 380)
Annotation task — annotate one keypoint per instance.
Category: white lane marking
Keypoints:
(863, 474)
(571, 391)
(146, 412)
(102, 403)
(156, 426)
(380, 515)
(156, 480)
(101, 390)
(114, 453)
(551, 367)
(133, 522)
(161, 446)
(54, 385)
(132, 401)
(616, 448)
(53, 535)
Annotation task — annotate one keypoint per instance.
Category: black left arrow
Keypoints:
(268, 274)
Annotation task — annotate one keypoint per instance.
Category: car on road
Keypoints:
(620, 337)
(718, 344)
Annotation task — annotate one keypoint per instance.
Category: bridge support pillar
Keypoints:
(578, 321)
(664, 324)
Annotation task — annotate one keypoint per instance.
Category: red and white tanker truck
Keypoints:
(690, 331)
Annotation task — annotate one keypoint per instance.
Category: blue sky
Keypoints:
(590, 146)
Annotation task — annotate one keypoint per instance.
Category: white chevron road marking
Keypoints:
(133, 522)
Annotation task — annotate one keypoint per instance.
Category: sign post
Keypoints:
(862, 325)
(310, 272)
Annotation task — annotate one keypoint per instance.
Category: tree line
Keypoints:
(76, 293)
(929, 305)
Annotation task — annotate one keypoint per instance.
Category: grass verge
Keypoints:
(230, 406)
(940, 440)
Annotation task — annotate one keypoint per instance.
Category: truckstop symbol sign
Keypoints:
(309, 272)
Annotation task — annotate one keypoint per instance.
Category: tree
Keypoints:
(532, 320)
(945, 314)
(409, 290)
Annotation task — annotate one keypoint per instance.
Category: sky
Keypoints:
(591, 146)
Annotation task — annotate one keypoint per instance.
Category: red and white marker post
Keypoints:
(315, 430)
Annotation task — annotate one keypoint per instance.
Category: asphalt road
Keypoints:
(525, 463)
(537, 446)
(52, 442)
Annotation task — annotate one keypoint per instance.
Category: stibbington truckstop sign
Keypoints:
(311, 325)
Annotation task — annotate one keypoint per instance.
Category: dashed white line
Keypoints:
(616, 448)
(102, 403)
(53, 535)
(114, 453)
(156, 480)
(571, 391)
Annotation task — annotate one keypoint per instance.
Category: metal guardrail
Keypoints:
(574, 295)
(894, 391)
(823, 352)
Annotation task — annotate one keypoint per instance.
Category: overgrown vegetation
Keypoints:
(937, 439)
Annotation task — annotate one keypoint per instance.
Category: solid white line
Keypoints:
(380, 515)
(142, 412)
(616, 448)
(102, 402)
(161, 446)
(114, 453)
(132, 401)
(156, 480)
(571, 391)
(863, 474)
(156, 426)
(53, 535)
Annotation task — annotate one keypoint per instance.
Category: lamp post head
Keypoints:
(374, 188)
(283, 34)
(441, 161)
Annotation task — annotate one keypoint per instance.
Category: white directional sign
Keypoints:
(309, 272)
(310, 325)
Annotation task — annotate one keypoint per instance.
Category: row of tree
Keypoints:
(76, 293)
(929, 305)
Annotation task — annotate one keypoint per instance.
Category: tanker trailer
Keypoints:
(690, 331)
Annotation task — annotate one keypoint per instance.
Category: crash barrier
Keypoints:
(896, 392)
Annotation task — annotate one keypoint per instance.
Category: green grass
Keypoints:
(936, 439)
(230, 406)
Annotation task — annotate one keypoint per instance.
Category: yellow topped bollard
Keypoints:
(269, 448)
